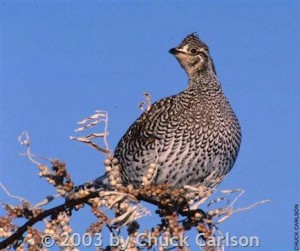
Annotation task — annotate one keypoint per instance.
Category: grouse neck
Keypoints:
(205, 82)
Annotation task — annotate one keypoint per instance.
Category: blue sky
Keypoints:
(62, 60)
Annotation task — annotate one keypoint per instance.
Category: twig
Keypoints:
(46, 201)
(252, 206)
(10, 195)
(241, 192)
(105, 129)
(100, 116)
(24, 139)
(147, 102)
(37, 156)
(229, 211)
(105, 193)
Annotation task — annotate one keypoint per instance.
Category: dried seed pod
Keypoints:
(115, 161)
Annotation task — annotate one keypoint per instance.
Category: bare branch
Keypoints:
(230, 211)
(252, 206)
(91, 121)
(21, 199)
(46, 201)
(145, 105)
(25, 140)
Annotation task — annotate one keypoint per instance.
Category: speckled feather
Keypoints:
(190, 136)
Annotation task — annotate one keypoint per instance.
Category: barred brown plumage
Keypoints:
(192, 137)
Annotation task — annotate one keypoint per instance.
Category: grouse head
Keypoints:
(193, 55)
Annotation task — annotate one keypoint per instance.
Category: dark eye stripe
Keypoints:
(203, 55)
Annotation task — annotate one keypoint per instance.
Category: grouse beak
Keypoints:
(173, 51)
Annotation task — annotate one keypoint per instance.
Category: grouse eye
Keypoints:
(193, 51)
